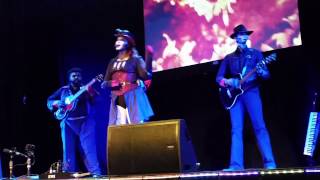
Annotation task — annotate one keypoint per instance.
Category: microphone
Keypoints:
(14, 152)
(29, 148)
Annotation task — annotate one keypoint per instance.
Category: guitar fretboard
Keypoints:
(82, 90)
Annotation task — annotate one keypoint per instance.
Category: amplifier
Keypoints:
(153, 147)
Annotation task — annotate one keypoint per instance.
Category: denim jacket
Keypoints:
(241, 62)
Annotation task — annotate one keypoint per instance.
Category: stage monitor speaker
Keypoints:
(153, 147)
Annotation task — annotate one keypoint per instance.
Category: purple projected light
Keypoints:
(188, 32)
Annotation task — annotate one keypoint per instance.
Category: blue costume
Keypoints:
(242, 61)
(77, 131)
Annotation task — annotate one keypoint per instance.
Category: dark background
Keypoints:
(41, 39)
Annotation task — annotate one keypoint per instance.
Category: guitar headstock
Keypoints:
(272, 57)
(99, 77)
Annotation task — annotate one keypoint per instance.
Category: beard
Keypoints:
(76, 83)
(242, 41)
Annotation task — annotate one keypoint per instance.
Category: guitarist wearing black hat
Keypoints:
(71, 105)
(241, 94)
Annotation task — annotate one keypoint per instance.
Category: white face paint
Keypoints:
(241, 40)
(121, 44)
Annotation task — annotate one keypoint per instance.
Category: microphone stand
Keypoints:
(29, 155)
(14, 153)
(28, 166)
(11, 167)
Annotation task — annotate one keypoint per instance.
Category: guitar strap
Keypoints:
(244, 69)
(244, 64)
(247, 55)
(247, 85)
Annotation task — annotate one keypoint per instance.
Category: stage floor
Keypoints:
(250, 174)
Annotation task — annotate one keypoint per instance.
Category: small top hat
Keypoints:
(240, 29)
(126, 34)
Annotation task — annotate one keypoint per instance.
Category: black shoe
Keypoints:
(270, 165)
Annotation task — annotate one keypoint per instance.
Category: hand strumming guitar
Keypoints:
(230, 82)
(58, 104)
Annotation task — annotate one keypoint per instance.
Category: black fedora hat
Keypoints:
(126, 34)
(240, 29)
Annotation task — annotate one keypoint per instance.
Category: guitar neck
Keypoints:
(248, 75)
(82, 90)
(265, 61)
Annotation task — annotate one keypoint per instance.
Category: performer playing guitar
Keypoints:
(72, 104)
(229, 95)
(242, 96)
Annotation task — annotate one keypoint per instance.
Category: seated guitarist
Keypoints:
(242, 61)
(77, 128)
(127, 77)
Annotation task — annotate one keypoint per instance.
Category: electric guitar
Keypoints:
(229, 95)
(70, 102)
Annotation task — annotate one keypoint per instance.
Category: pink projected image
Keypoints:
(188, 32)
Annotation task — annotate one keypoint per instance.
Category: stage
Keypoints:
(252, 174)
(41, 40)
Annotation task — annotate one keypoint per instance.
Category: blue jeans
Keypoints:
(74, 132)
(249, 101)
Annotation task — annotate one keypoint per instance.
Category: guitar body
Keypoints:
(229, 95)
(64, 111)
